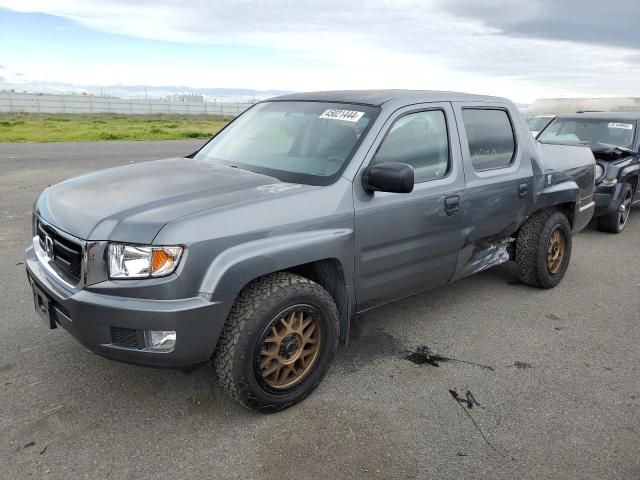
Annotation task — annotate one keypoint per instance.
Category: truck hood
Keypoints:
(601, 151)
(611, 153)
(132, 203)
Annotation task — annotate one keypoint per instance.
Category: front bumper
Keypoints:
(607, 198)
(92, 318)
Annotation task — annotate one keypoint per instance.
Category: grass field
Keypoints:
(86, 128)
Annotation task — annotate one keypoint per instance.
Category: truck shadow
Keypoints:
(379, 333)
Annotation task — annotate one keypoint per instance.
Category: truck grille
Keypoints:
(126, 337)
(67, 254)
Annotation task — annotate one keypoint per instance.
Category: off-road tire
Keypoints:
(254, 309)
(611, 223)
(531, 249)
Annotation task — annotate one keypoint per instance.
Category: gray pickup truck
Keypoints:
(257, 250)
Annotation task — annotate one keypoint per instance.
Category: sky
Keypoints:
(520, 49)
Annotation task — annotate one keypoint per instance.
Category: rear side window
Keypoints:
(490, 136)
(419, 139)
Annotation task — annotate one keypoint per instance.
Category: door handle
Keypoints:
(451, 205)
(523, 190)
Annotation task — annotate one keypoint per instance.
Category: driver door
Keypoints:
(409, 242)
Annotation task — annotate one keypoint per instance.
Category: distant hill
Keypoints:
(142, 91)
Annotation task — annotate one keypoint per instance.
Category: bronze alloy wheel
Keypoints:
(556, 248)
(625, 209)
(289, 347)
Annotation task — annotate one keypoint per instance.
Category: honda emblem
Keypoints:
(48, 246)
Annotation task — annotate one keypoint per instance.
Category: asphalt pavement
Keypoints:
(511, 382)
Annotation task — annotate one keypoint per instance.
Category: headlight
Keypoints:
(137, 261)
(599, 171)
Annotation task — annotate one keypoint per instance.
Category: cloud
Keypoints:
(610, 23)
(517, 48)
(633, 59)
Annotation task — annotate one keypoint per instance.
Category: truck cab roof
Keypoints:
(378, 98)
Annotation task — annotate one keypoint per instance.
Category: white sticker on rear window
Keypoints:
(625, 126)
(345, 115)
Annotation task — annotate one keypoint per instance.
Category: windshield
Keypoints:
(299, 142)
(616, 132)
(536, 124)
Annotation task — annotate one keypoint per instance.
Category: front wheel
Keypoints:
(616, 221)
(543, 249)
(278, 342)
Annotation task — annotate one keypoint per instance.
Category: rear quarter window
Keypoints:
(490, 138)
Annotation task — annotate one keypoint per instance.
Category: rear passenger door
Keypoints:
(498, 175)
(408, 242)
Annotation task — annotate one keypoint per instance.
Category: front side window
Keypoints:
(419, 139)
(590, 130)
(490, 137)
(294, 141)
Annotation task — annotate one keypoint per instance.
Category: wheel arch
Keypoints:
(633, 179)
(567, 208)
(329, 274)
(565, 197)
(309, 254)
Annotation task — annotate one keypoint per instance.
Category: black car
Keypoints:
(615, 143)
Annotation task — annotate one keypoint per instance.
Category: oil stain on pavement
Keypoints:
(423, 355)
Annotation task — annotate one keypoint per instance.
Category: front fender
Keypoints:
(235, 267)
(629, 172)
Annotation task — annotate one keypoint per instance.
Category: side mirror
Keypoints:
(391, 177)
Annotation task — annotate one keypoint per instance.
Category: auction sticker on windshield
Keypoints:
(625, 126)
(345, 115)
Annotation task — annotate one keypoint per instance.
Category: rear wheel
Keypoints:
(616, 221)
(278, 342)
(543, 249)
